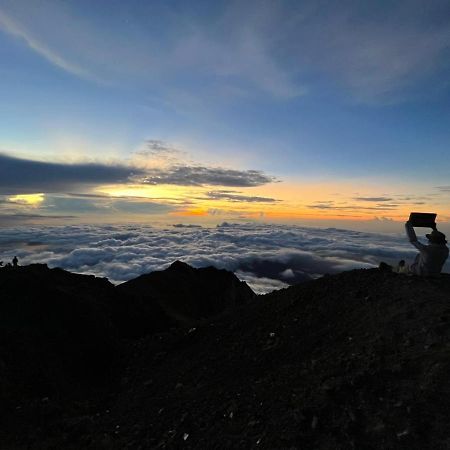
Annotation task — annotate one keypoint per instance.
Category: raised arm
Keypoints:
(412, 235)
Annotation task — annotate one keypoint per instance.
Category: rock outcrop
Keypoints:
(182, 295)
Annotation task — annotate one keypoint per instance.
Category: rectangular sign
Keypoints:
(427, 220)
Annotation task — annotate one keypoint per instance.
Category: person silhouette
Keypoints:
(402, 267)
(15, 261)
(431, 257)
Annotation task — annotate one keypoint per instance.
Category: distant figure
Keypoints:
(402, 267)
(15, 261)
(432, 257)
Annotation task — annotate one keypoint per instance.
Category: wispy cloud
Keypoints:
(373, 199)
(443, 188)
(160, 152)
(236, 196)
(207, 176)
(276, 48)
(10, 26)
(331, 205)
(17, 219)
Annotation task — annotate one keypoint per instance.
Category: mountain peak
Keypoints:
(180, 266)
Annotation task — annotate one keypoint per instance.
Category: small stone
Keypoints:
(403, 433)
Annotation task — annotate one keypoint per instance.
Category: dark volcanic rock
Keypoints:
(55, 330)
(357, 360)
(56, 342)
(181, 295)
(60, 336)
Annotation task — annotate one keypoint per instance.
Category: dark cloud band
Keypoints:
(24, 176)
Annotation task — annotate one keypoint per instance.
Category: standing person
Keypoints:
(15, 261)
(432, 257)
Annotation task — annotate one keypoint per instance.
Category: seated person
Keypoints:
(402, 267)
(432, 257)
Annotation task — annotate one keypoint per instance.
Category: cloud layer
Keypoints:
(23, 176)
(267, 256)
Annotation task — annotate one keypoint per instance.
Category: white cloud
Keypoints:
(267, 256)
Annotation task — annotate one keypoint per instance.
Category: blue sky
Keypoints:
(323, 97)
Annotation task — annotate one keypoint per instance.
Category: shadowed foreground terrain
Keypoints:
(356, 360)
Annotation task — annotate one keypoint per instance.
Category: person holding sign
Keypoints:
(431, 257)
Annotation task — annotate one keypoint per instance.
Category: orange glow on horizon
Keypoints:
(286, 201)
(190, 213)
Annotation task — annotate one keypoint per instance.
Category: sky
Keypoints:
(307, 113)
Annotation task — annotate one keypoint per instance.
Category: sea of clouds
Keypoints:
(267, 256)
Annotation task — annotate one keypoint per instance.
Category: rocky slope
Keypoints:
(356, 360)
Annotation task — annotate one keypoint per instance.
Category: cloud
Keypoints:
(443, 188)
(14, 219)
(104, 205)
(267, 256)
(10, 26)
(235, 196)
(331, 205)
(277, 48)
(160, 152)
(227, 47)
(22, 176)
(198, 175)
(373, 199)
